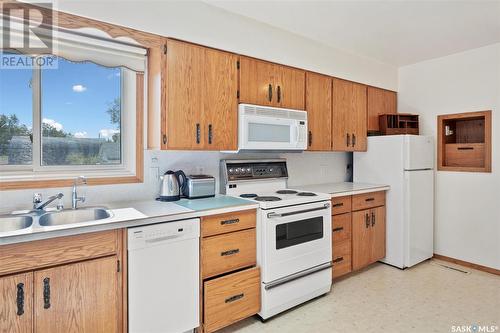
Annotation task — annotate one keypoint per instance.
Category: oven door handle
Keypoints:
(298, 275)
(273, 214)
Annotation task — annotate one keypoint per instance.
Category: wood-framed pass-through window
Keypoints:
(464, 142)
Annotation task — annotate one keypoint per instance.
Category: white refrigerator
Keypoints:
(406, 163)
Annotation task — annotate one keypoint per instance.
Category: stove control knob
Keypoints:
(249, 170)
(231, 170)
(237, 170)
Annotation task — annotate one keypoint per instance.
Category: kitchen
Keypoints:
(193, 85)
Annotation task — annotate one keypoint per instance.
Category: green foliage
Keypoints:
(9, 127)
(51, 131)
(114, 111)
(80, 159)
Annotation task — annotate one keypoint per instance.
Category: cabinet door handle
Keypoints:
(373, 219)
(367, 220)
(210, 135)
(46, 293)
(310, 138)
(278, 90)
(232, 221)
(20, 299)
(234, 298)
(348, 139)
(353, 139)
(270, 93)
(338, 229)
(229, 252)
(198, 133)
(339, 259)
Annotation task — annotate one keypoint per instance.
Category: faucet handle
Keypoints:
(37, 198)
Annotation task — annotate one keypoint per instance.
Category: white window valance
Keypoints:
(78, 45)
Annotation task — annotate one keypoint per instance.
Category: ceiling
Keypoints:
(394, 32)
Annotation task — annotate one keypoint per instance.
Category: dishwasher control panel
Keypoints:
(165, 232)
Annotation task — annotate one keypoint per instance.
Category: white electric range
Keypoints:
(294, 244)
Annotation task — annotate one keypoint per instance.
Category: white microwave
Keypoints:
(269, 128)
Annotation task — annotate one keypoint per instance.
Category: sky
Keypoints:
(75, 97)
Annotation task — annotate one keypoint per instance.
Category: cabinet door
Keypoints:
(341, 115)
(258, 82)
(380, 101)
(220, 101)
(182, 121)
(378, 233)
(319, 111)
(361, 239)
(16, 303)
(81, 297)
(358, 117)
(290, 88)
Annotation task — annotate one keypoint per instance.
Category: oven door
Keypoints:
(295, 239)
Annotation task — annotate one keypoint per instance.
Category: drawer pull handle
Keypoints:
(369, 199)
(46, 293)
(234, 298)
(339, 259)
(338, 229)
(340, 204)
(233, 221)
(465, 148)
(20, 299)
(229, 252)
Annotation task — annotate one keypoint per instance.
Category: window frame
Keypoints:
(130, 170)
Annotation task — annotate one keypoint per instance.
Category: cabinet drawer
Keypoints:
(223, 223)
(341, 227)
(227, 252)
(464, 155)
(56, 251)
(368, 200)
(341, 258)
(341, 205)
(231, 298)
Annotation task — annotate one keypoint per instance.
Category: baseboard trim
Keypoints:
(468, 264)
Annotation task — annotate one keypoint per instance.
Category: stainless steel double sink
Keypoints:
(11, 223)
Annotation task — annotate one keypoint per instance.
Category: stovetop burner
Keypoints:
(306, 194)
(267, 198)
(286, 192)
(248, 195)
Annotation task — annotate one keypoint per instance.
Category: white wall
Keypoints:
(202, 23)
(467, 216)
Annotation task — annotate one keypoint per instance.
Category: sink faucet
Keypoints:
(74, 197)
(39, 205)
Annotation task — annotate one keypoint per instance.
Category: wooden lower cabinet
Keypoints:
(79, 286)
(80, 297)
(231, 298)
(341, 258)
(16, 303)
(368, 237)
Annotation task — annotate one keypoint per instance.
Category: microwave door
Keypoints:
(268, 133)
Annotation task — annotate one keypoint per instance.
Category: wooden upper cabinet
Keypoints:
(202, 87)
(319, 111)
(16, 303)
(290, 88)
(269, 84)
(220, 101)
(80, 297)
(349, 129)
(380, 101)
(184, 86)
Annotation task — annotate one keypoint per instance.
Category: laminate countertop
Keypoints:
(343, 188)
(131, 214)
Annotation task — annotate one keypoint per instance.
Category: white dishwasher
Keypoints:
(163, 277)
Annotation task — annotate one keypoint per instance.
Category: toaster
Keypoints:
(199, 186)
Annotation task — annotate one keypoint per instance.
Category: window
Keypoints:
(76, 118)
(79, 118)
